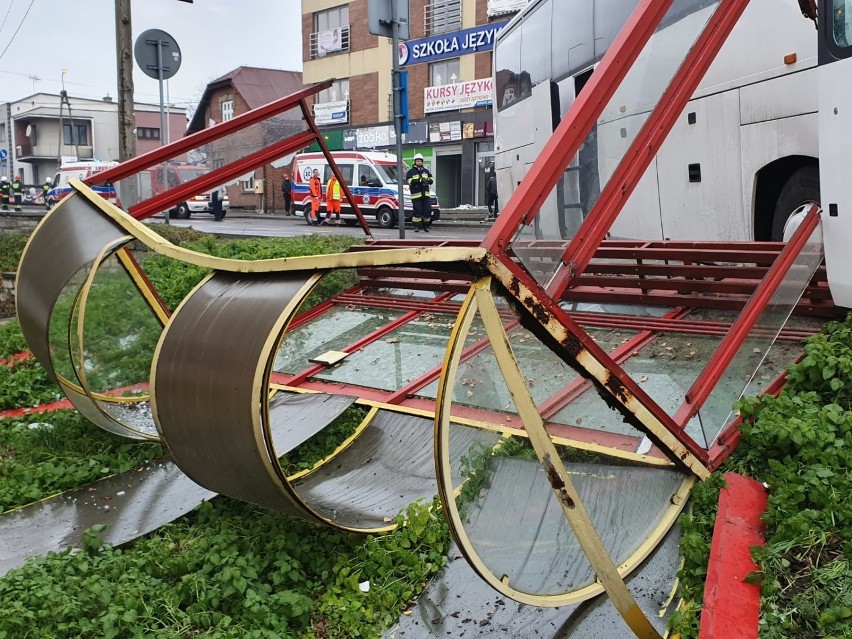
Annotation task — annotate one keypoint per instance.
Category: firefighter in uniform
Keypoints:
(18, 192)
(5, 190)
(419, 179)
(46, 189)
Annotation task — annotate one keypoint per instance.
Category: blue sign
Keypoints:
(3, 154)
(450, 45)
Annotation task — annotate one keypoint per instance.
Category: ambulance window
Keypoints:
(367, 176)
(345, 170)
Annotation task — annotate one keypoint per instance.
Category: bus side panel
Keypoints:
(755, 50)
(712, 208)
(835, 126)
(640, 217)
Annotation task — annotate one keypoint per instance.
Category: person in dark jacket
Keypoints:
(419, 180)
(491, 198)
(287, 193)
(216, 202)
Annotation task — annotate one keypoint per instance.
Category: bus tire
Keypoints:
(801, 188)
(183, 211)
(386, 217)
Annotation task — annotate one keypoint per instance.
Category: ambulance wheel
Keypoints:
(183, 211)
(386, 217)
(307, 211)
(349, 222)
(800, 189)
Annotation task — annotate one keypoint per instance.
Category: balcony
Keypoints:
(330, 42)
(50, 151)
(442, 16)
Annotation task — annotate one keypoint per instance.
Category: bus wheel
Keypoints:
(386, 217)
(183, 211)
(801, 189)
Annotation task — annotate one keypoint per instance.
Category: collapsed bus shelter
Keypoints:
(560, 396)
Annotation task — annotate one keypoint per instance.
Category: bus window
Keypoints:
(535, 58)
(507, 61)
(842, 35)
(575, 27)
(610, 16)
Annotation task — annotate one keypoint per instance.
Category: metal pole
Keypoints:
(162, 105)
(397, 118)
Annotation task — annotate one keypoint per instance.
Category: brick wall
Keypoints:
(364, 110)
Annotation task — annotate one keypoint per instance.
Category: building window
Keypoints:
(336, 92)
(444, 72)
(227, 110)
(74, 134)
(2, 132)
(442, 16)
(331, 31)
(147, 133)
(247, 186)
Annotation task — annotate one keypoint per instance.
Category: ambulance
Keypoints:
(80, 170)
(372, 179)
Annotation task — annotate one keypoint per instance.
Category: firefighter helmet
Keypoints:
(418, 156)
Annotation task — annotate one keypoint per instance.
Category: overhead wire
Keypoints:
(8, 11)
(32, 2)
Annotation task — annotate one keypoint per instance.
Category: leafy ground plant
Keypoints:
(50, 453)
(799, 443)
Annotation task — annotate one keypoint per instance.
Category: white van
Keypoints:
(372, 180)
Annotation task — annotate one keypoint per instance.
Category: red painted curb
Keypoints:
(732, 607)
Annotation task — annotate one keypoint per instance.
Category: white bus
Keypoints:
(742, 156)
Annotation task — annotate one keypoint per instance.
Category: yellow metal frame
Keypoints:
(610, 576)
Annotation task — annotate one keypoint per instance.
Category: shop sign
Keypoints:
(459, 95)
(332, 112)
(450, 45)
(445, 131)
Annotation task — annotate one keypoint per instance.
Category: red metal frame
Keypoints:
(721, 358)
(652, 135)
(174, 196)
(195, 140)
(180, 193)
(576, 125)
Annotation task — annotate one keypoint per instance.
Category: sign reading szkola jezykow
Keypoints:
(450, 45)
(459, 95)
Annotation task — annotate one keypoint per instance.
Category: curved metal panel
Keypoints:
(66, 240)
(208, 385)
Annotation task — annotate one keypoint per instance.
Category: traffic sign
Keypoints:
(148, 56)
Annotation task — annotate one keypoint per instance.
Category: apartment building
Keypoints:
(448, 58)
(39, 130)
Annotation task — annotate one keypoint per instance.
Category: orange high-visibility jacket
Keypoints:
(332, 190)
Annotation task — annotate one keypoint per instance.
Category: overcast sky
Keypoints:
(214, 36)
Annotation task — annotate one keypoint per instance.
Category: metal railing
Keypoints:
(329, 42)
(442, 16)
